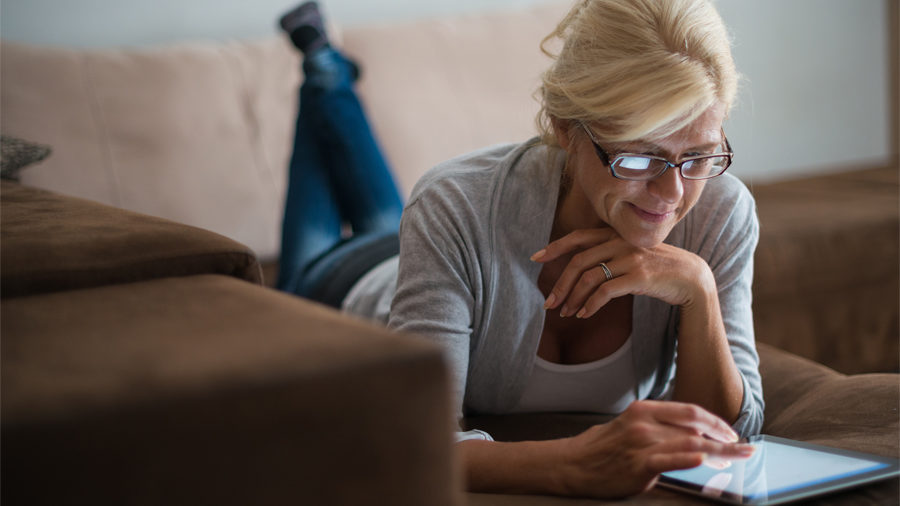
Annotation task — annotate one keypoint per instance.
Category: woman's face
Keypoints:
(642, 212)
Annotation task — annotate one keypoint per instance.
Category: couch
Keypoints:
(143, 363)
(146, 359)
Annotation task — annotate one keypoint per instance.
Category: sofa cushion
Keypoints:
(54, 242)
(199, 133)
(209, 390)
(810, 402)
(827, 269)
(469, 82)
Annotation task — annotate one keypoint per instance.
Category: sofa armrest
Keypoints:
(54, 242)
(210, 390)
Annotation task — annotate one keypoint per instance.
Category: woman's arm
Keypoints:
(704, 353)
(617, 459)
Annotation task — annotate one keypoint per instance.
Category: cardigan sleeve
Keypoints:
(437, 282)
(726, 237)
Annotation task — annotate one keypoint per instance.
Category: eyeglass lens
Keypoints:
(641, 167)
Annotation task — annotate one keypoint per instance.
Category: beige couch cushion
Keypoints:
(197, 133)
(464, 82)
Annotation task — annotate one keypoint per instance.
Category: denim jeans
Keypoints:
(337, 177)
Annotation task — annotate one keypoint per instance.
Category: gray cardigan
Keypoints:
(464, 278)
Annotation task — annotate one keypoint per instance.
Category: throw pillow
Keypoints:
(16, 154)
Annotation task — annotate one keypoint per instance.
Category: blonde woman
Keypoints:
(604, 266)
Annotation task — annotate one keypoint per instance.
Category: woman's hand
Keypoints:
(626, 456)
(705, 371)
(621, 458)
(665, 272)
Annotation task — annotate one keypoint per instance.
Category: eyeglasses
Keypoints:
(638, 167)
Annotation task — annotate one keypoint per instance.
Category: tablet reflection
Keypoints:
(743, 478)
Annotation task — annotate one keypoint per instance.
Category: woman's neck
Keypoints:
(573, 212)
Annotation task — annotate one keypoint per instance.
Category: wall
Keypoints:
(816, 96)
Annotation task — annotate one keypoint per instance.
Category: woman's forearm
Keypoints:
(520, 467)
(705, 370)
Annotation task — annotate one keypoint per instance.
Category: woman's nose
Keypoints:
(668, 187)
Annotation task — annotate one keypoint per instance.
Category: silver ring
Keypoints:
(606, 271)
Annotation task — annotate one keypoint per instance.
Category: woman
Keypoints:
(564, 273)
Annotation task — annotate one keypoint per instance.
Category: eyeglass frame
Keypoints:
(608, 161)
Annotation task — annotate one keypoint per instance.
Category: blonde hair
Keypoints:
(636, 69)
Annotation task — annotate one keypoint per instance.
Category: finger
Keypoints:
(662, 462)
(688, 416)
(699, 444)
(609, 290)
(573, 241)
(577, 270)
(585, 286)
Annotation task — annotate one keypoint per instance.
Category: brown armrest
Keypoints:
(210, 390)
(53, 242)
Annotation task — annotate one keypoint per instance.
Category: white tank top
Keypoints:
(604, 386)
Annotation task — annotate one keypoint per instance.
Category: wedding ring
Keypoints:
(606, 271)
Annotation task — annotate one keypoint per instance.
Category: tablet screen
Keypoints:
(779, 469)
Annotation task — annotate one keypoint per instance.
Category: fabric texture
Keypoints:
(465, 279)
(469, 81)
(556, 387)
(16, 154)
(827, 283)
(210, 390)
(198, 133)
(53, 242)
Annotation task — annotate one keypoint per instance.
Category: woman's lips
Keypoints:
(651, 216)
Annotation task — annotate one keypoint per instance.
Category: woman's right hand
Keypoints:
(625, 456)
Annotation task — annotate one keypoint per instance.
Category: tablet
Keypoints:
(780, 470)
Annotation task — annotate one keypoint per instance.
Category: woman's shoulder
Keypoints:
(471, 175)
(726, 188)
(724, 216)
(725, 198)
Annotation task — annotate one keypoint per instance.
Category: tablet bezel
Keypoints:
(816, 489)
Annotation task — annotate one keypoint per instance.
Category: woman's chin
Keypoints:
(644, 238)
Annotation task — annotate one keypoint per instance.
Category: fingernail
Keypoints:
(539, 255)
(564, 312)
(550, 301)
(581, 314)
(745, 448)
(734, 436)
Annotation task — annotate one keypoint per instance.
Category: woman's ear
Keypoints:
(562, 130)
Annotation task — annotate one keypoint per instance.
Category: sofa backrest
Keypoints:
(197, 133)
(201, 133)
(441, 87)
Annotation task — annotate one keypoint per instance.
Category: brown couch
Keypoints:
(827, 271)
(142, 363)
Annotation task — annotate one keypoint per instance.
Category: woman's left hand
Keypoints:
(664, 272)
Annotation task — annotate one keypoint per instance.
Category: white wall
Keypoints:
(99, 23)
(815, 97)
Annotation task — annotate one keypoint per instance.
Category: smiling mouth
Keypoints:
(651, 216)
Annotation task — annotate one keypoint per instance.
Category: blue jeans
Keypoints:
(337, 177)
